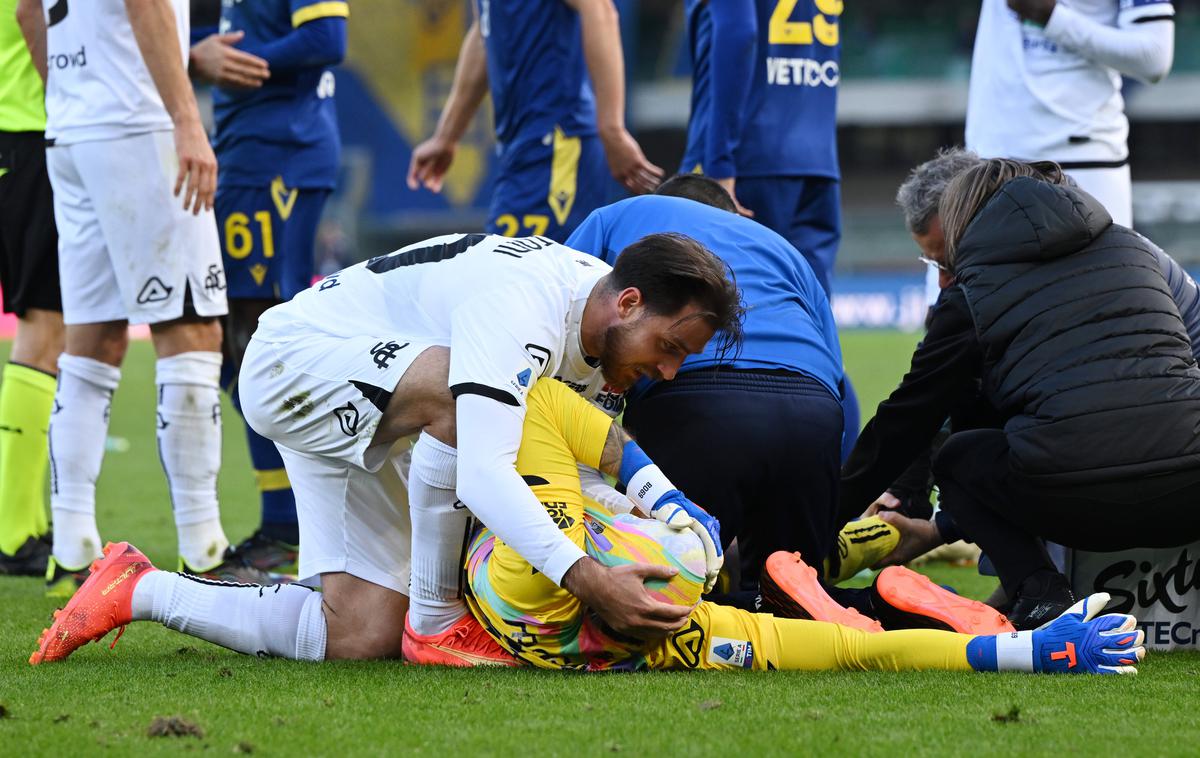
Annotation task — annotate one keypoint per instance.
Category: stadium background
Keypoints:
(903, 94)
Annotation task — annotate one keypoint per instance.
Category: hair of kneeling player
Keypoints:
(966, 195)
(672, 271)
(697, 187)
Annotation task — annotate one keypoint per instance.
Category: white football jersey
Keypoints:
(98, 86)
(1031, 98)
(509, 309)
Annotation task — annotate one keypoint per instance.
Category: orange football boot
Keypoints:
(905, 599)
(102, 603)
(466, 643)
(791, 588)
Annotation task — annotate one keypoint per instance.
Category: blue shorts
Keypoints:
(267, 237)
(548, 187)
(804, 210)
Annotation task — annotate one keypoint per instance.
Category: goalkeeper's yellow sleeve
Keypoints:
(719, 637)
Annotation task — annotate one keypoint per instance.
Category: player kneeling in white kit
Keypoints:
(446, 338)
(125, 138)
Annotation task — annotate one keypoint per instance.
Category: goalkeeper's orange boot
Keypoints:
(790, 588)
(101, 604)
(905, 599)
(465, 643)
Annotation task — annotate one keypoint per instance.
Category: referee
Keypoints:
(29, 278)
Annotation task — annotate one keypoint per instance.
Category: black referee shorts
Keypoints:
(28, 237)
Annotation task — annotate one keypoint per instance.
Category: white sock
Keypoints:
(438, 536)
(280, 621)
(189, 444)
(78, 428)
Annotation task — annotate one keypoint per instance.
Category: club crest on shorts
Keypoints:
(153, 291)
(214, 280)
(347, 416)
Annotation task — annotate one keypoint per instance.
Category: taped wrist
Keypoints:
(644, 482)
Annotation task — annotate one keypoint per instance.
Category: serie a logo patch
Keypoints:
(722, 650)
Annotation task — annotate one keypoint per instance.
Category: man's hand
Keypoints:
(885, 502)
(729, 184)
(627, 162)
(1037, 11)
(917, 537)
(430, 161)
(619, 596)
(677, 512)
(197, 167)
(215, 59)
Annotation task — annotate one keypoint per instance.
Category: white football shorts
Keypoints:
(1111, 186)
(127, 249)
(352, 521)
(322, 395)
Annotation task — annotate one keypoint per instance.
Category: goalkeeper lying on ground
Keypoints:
(545, 626)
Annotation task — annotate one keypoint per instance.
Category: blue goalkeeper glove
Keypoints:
(1077, 642)
(647, 486)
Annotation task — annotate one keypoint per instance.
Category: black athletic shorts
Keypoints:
(28, 238)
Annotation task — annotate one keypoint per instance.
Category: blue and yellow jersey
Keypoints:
(288, 127)
(785, 124)
(536, 69)
(790, 325)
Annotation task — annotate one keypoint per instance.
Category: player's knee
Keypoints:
(105, 342)
(185, 335)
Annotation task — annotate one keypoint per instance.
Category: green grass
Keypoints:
(102, 702)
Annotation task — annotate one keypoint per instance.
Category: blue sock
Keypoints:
(278, 503)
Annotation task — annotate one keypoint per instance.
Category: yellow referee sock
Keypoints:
(26, 397)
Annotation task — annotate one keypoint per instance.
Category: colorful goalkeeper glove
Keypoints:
(1077, 642)
(647, 486)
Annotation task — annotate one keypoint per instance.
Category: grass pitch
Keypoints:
(209, 700)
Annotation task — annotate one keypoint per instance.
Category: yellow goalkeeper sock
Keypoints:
(861, 544)
(26, 397)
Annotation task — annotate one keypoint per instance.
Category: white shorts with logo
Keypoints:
(320, 399)
(127, 249)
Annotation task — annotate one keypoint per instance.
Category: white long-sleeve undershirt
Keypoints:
(1144, 51)
(489, 434)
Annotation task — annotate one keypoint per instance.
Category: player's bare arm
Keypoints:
(432, 158)
(215, 59)
(153, 23)
(33, 27)
(599, 24)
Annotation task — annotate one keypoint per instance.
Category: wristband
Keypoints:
(644, 482)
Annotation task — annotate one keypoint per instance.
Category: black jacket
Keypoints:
(1083, 348)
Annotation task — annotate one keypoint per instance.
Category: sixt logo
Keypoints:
(1155, 588)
